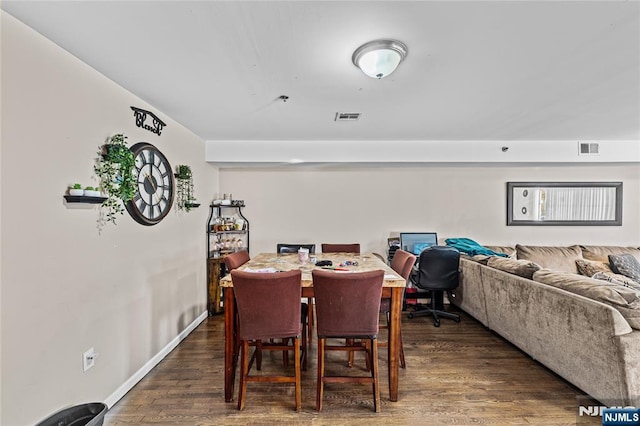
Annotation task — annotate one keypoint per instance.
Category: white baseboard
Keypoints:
(144, 370)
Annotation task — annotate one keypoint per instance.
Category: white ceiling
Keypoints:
(478, 70)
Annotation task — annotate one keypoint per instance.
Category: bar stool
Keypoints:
(268, 308)
(402, 263)
(348, 307)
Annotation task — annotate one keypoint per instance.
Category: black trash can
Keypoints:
(91, 414)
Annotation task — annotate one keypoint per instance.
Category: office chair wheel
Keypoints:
(410, 315)
(436, 323)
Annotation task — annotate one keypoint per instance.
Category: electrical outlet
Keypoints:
(88, 359)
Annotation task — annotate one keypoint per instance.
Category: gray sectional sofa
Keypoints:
(586, 330)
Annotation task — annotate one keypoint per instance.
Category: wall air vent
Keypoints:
(587, 148)
(347, 116)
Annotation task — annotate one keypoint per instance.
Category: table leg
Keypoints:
(229, 344)
(394, 342)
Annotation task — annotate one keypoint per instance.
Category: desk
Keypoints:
(392, 288)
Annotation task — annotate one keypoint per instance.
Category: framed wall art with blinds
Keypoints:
(564, 203)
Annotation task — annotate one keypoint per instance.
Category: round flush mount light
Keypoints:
(379, 58)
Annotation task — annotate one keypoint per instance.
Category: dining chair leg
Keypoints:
(320, 383)
(305, 348)
(259, 354)
(296, 351)
(351, 353)
(310, 320)
(306, 338)
(244, 371)
(368, 358)
(285, 353)
(374, 375)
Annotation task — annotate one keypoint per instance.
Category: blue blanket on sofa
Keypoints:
(470, 247)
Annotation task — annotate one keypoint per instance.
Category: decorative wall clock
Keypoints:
(155, 187)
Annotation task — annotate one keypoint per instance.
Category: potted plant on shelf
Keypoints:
(184, 188)
(76, 190)
(114, 168)
(90, 191)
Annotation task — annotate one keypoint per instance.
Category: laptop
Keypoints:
(415, 242)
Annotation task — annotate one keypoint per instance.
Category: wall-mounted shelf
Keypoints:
(84, 199)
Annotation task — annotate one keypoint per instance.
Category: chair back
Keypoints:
(236, 260)
(347, 304)
(268, 304)
(402, 263)
(293, 248)
(439, 268)
(341, 248)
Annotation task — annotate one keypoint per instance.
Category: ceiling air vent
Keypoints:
(347, 116)
(586, 148)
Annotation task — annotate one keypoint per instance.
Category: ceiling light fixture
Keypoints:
(379, 58)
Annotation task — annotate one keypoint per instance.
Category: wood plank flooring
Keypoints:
(458, 374)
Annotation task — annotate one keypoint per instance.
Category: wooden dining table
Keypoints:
(392, 289)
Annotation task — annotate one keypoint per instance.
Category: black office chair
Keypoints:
(293, 248)
(438, 271)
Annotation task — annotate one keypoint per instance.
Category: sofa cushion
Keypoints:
(619, 279)
(625, 300)
(520, 267)
(601, 253)
(480, 258)
(508, 250)
(590, 267)
(625, 264)
(550, 257)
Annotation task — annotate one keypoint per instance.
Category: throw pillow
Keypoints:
(522, 268)
(551, 257)
(590, 267)
(618, 279)
(601, 253)
(625, 264)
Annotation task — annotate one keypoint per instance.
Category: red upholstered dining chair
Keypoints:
(348, 306)
(341, 248)
(402, 263)
(235, 260)
(260, 322)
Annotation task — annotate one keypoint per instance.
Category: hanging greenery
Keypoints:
(184, 188)
(114, 167)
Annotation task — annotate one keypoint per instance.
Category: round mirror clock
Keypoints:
(155, 187)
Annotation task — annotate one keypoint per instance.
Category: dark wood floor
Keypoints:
(458, 374)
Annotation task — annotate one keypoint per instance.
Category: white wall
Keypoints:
(319, 204)
(127, 290)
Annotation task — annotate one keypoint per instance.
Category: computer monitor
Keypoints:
(415, 242)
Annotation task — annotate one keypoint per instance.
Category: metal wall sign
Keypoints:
(141, 117)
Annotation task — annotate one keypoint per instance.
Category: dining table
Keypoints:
(340, 262)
